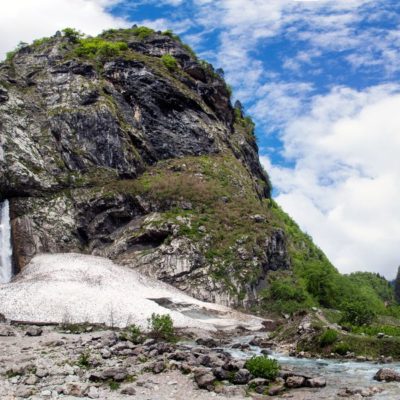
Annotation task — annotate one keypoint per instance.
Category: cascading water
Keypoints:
(5, 243)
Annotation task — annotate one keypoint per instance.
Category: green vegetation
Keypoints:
(162, 327)
(342, 349)
(329, 337)
(170, 62)
(133, 333)
(142, 32)
(84, 360)
(72, 35)
(113, 385)
(263, 367)
(97, 47)
(285, 294)
(358, 312)
(373, 330)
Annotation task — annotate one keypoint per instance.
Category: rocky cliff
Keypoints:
(127, 146)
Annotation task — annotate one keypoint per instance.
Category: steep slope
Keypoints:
(127, 146)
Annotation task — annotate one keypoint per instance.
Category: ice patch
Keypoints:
(80, 288)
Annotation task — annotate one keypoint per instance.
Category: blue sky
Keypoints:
(321, 80)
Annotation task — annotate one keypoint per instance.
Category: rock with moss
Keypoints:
(127, 146)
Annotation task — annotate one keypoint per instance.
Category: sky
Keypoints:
(319, 77)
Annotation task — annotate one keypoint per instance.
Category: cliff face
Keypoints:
(122, 152)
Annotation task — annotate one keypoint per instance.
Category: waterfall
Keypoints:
(5, 243)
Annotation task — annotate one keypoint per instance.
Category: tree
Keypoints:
(397, 286)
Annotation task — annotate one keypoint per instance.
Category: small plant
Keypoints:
(170, 62)
(113, 385)
(263, 367)
(84, 360)
(161, 327)
(342, 349)
(133, 333)
(329, 337)
(72, 35)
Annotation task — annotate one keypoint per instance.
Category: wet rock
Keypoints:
(295, 382)
(242, 377)
(316, 382)
(388, 375)
(207, 341)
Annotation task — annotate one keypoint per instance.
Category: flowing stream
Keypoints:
(5, 243)
(338, 374)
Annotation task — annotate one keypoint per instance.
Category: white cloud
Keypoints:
(344, 189)
(25, 20)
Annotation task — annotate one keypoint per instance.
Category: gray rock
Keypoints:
(34, 331)
(24, 391)
(295, 382)
(388, 375)
(6, 331)
(242, 377)
(276, 390)
(316, 382)
(128, 390)
(158, 367)
(93, 392)
(204, 379)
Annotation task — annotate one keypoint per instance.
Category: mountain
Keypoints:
(127, 146)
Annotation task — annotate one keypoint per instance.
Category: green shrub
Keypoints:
(170, 62)
(84, 360)
(342, 349)
(97, 47)
(285, 295)
(263, 367)
(161, 327)
(133, 334)
(329, 337)
(142, 32)
(113, 385)
(358, 312)
(72, 34)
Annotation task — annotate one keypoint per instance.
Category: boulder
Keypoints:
(316, 382)
(242, 377)
(204, 378)
(295, 382)
(206, 341)
(387, 375)
(34, 331)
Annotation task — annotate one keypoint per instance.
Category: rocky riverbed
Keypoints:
(73, 362)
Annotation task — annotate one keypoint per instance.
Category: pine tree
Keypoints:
(397, 286)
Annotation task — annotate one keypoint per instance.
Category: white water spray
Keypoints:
(5, 243)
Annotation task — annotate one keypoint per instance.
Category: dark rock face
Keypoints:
(73, 128)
